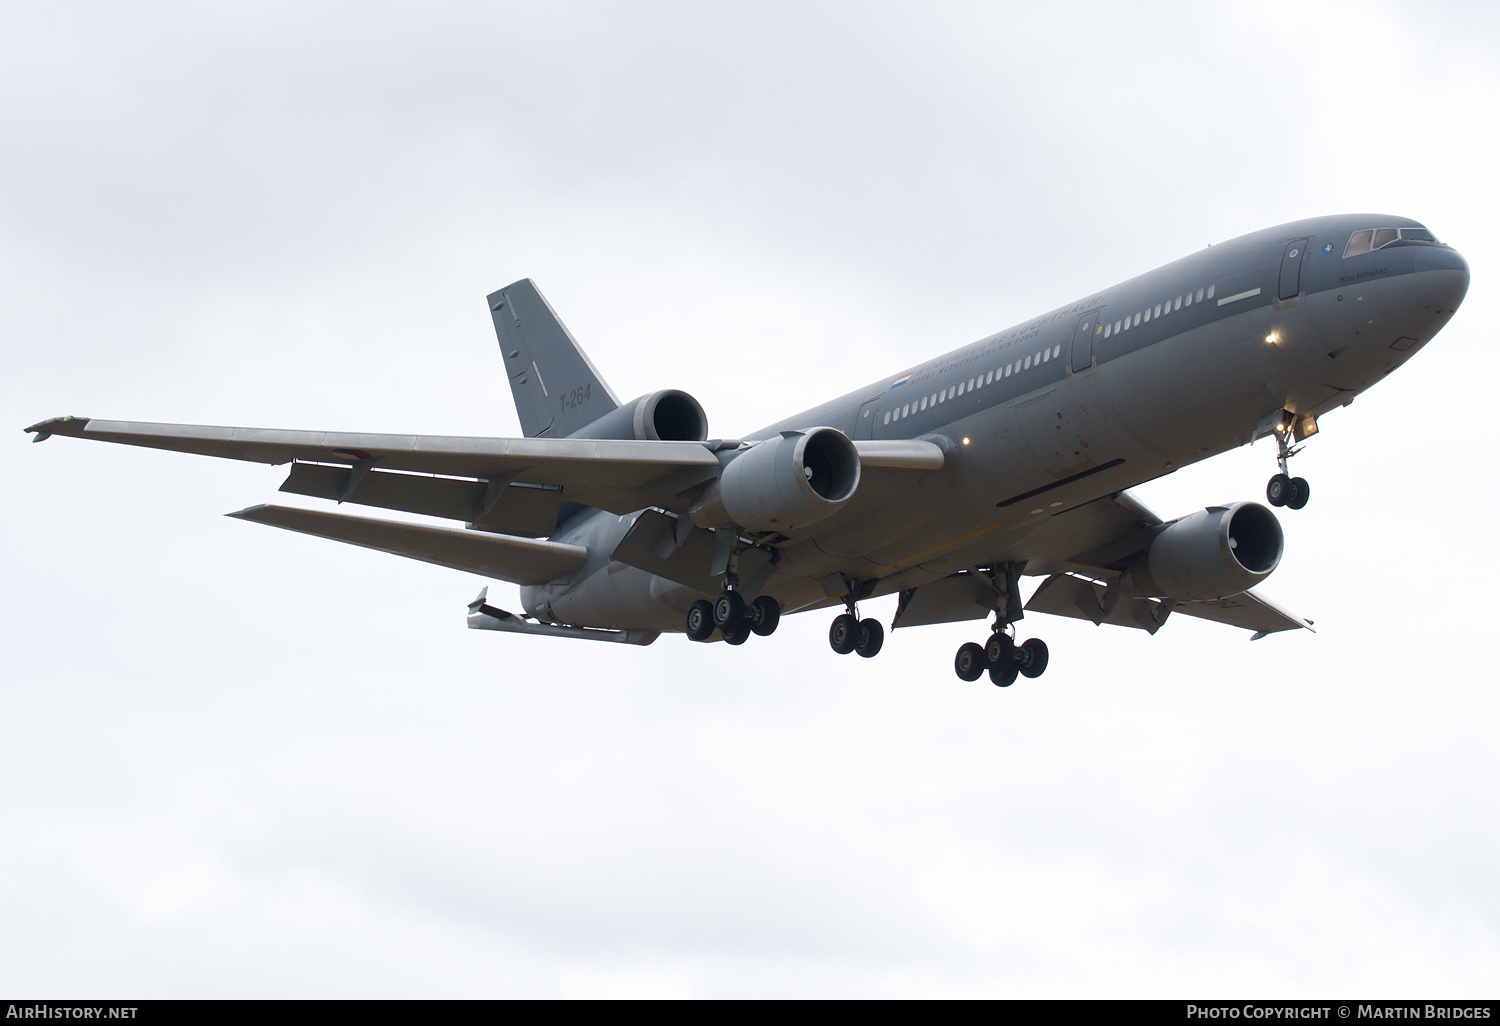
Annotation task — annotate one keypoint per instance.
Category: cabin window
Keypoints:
(887, 416)
(1178, 304)
(1211, 292)
(1158, 308)
(987, 379)
(1198, 298)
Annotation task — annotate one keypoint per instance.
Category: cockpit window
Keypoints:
(1374, 238)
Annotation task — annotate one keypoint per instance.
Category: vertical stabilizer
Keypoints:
(556, 388)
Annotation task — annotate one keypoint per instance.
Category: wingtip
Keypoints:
(248, 513)
(45, 429)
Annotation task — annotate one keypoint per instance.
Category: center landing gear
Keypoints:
(1282, 489)
(848, 633)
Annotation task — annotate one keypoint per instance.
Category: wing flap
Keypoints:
(500, 556)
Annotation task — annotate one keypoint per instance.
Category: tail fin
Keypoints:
(556, 388)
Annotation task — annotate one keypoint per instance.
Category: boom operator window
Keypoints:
(1370, 239)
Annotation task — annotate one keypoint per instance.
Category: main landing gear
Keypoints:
(1002, 657)
(733, 617)
(1282, 489)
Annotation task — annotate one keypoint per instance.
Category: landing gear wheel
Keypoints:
(1279, 490)
(729, 610)
(969, 663)
(737, 635)
(1004, 674)
(844, 634)
(700, 620)
(1031, 658)
(765, 614)
(999, 651)
(871, 637)
(1300, 492)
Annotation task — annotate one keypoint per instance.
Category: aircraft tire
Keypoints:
(969, 662)
(765, 614)
(729, 609)
(1004, 675)
(1033, 658)
(871, 638)
(999, 651)
(737, 635)
(700, 620)
(1300, 492)
(1278, 489)
(843, 634)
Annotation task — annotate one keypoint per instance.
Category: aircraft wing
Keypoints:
(1115, 531)
(1081, 552)
(619, 476)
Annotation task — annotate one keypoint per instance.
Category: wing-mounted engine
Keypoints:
(669, 415)
(1212, 554)
(783, 483)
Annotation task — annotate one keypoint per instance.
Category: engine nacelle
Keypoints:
(1212, 554)
(783, 483)
(665, 416)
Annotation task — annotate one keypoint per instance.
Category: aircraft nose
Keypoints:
(1450, 283)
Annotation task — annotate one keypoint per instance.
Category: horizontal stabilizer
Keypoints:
(485, 617)
(501, 556)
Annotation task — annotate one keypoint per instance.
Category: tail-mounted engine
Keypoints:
(1212, 554)
(783, 483)
(665, 416)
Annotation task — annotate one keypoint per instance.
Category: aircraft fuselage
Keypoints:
(1127, 384)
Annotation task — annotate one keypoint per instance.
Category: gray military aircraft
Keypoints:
(947, 483)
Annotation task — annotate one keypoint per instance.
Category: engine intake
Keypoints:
(1212, 554)
(783, 483)
(666, 416)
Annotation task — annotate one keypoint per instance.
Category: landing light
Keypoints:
(1273, 338)
(966, 441)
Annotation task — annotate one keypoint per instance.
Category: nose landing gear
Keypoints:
(1291, 434)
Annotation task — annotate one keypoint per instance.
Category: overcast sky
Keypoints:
(241, 762)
